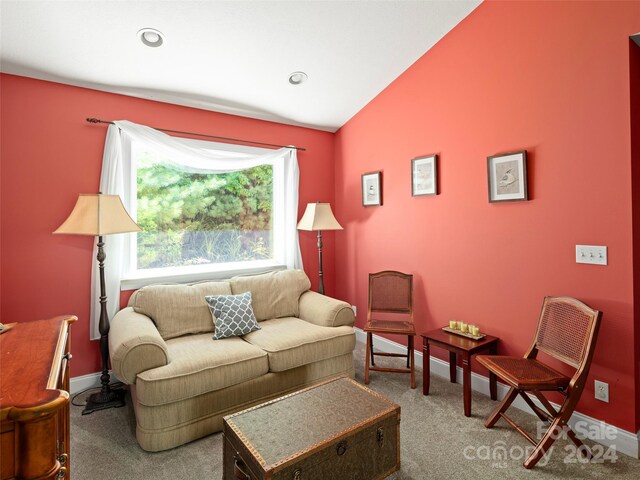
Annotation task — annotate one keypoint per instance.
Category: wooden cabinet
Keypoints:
(34, 400)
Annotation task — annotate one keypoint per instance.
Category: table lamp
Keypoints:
(98, 215)
(318, 216)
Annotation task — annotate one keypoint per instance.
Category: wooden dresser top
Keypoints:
(30, 354)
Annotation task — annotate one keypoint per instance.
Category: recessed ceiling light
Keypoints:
(151, 37)
(296, 78)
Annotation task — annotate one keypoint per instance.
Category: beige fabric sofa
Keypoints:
(183, 382)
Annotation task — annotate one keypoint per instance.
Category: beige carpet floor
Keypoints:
(437, 442)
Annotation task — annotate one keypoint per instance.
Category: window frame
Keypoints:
(134, 278)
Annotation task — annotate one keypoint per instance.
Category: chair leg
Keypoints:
(543, 445)
(584, 450)
(367, 356)
(559, 422)
(413, 368)
(373, 360)
(539, 412)
(408, 350)
(501, 408)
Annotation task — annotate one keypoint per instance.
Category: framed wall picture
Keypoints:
(507, 174)
(372, 189)
(424, 176)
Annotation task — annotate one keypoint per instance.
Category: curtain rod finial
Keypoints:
(92, 120)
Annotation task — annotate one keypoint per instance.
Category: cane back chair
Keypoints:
(567, 331)
(390, 292)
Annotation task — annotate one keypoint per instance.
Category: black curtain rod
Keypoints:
(97, 120)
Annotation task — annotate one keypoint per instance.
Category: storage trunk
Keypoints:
(335, 430)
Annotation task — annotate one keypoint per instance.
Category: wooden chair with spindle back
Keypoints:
(390, 292)
(567, 331)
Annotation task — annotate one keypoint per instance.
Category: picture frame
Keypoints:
(507, 177)
(371, 189)
(424, 176)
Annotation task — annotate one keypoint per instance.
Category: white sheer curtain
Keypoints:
(117, 176)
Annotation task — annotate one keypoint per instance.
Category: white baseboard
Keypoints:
(83, 382)
(622, 440)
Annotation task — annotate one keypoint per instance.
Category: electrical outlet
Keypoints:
(355, 310)
(602, 391)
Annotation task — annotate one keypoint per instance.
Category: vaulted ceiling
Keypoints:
(229, 56)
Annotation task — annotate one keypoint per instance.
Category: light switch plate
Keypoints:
(592, 254)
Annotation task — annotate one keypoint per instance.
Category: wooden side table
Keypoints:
(458, 345)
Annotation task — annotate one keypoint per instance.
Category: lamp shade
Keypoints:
(98, 214)
(318, 216)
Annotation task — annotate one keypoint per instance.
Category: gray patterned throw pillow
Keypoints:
(232, 315)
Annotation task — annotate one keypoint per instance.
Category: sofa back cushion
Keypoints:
(274, 294)
(178, 309)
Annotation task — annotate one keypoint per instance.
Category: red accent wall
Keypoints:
(548, 77)
(49, 155)
(634, 78)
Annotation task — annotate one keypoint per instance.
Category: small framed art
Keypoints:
(424, 176)
(372, 189)
(507, 177)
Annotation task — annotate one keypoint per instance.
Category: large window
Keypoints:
(194, 223)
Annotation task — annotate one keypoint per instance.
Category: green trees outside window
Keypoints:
(192, 219)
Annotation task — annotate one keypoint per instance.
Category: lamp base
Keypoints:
(111, 398)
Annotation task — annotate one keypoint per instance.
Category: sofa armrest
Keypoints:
(135, 345)
(325, 311)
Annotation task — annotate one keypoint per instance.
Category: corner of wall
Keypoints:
(634, 86)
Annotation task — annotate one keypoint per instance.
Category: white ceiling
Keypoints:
(229, 56)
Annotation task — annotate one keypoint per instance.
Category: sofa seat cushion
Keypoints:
(291, 342)
(199, 365)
